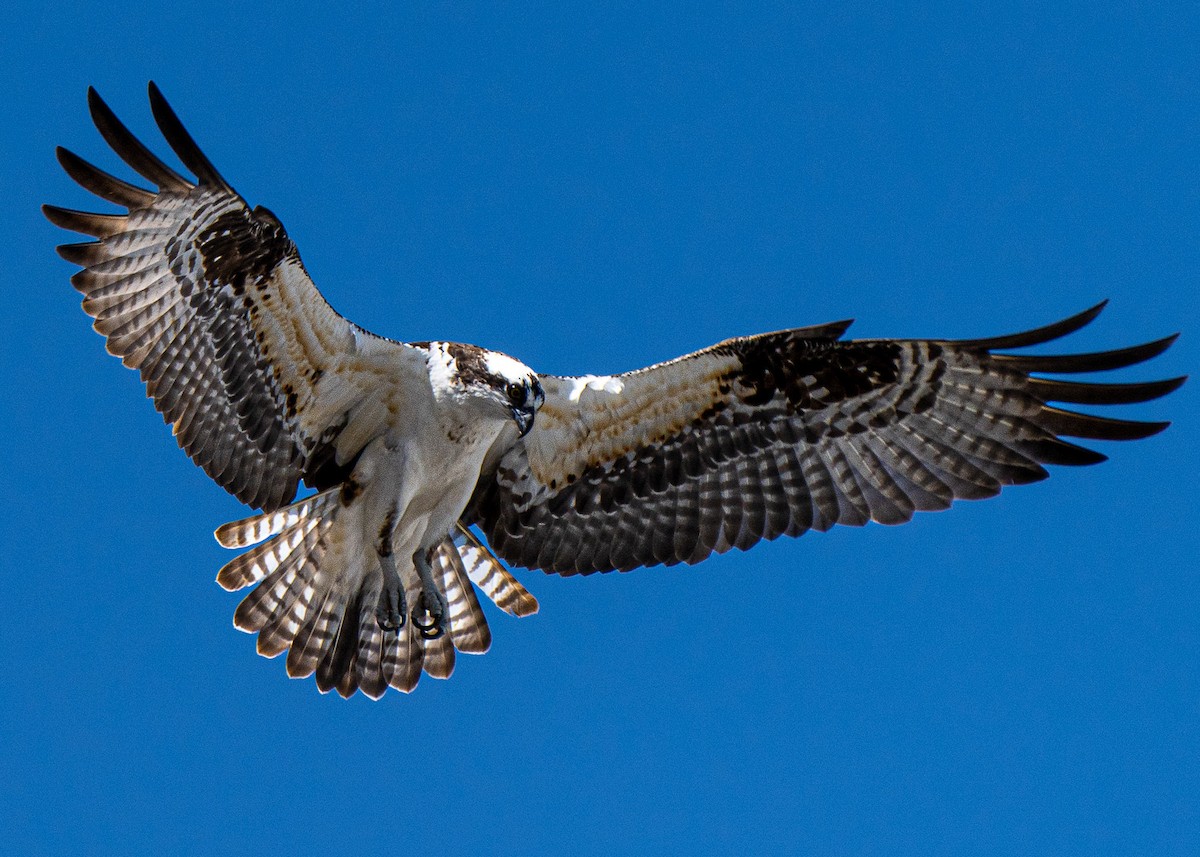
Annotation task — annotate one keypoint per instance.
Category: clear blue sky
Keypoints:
(593, 191)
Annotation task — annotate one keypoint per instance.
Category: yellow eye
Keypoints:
(517, 393)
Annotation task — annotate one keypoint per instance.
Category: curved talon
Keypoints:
(390, 616)
(430, 601)
(435, 626)
(389, 621)
(424, 626)
(432, 633)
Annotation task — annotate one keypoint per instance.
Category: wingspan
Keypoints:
(784, 432)
(209, 300)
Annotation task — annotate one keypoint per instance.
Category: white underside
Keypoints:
(423, 480)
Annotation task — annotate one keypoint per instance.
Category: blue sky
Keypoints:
(593, 190)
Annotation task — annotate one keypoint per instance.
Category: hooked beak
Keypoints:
(523, 417)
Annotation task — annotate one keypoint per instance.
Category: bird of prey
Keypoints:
(414, 449)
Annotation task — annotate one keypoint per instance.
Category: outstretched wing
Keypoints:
(784, 432)
(208, 299)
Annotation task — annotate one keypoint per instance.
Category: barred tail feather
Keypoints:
(317, 632)
(438, 656)
(317, 590)
(490, 575)
(339, 665)
(468, 624)
(266, 558)
(369, 665)
(252, 530)
(401, 660)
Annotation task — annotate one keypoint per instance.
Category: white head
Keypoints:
(494, 383)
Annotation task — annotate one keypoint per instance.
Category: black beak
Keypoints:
(523, 417)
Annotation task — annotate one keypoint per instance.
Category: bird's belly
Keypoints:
(425, 483)
(445, 488)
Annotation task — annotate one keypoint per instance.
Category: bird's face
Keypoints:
(515, 389)
(522, 398)
(500, 387)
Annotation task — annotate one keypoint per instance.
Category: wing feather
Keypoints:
(181, 142)
(131, 150)
(209, 300)
(105, 186)
(785, 432)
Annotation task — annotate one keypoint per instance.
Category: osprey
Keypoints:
(412, 448)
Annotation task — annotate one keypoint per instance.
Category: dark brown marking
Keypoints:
(384, 546)
(350, 490)
(811, 373)
(470, 361)
(289, 396)
(321, 468)
(241, 247)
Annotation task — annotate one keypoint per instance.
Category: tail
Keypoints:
(317, 593)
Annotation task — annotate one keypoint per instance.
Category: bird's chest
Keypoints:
(434, 471)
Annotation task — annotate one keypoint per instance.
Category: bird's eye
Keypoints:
(517, 393)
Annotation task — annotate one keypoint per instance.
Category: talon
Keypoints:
(430, 615)
(388, 614)
(431, 633)
(435, 625)
(431, 602)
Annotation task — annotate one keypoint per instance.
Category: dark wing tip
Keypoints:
(1081, 393)
(64, 218)
(1074, 424)
(1167, 341)
(835, 329)
(181, 141)
(1097, 361)
(130, 149)
(1053, 450)
(99, 109)
(85, 222)
(1039, 335)
(106, 186)
(84, 254)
